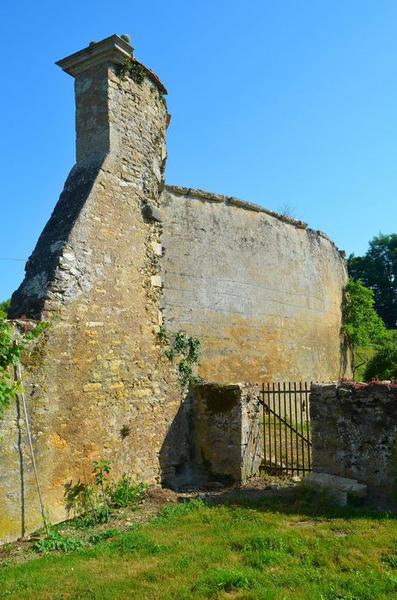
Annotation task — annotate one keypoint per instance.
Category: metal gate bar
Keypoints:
(286, 427)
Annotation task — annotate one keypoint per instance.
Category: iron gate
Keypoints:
(286, 427)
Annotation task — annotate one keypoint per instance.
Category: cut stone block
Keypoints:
(336, 484)
(155, 280)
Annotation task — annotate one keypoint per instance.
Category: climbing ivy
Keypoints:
(11, 348)
(185, 350)
(132, 68)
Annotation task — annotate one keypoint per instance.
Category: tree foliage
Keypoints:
(4, 309)
(377, 270)
(362, 325)
(383, 365)
(11, 348)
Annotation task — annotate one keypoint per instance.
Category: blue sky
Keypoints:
(280, 102)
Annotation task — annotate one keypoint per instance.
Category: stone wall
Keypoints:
(228, 441)
(354, 429)
(261, 291)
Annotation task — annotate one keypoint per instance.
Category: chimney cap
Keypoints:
(113, 49)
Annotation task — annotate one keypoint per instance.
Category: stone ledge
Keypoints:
(339, 487)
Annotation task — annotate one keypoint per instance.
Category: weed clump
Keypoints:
(55, 541)
(95, 502)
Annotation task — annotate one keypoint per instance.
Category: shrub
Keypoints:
(95, 501)
(383, 365)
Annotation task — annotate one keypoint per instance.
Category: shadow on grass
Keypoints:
(303, 501)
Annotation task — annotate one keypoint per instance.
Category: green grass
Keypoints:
(295, 547)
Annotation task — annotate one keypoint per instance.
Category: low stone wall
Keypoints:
(227, 438)
(354, 433)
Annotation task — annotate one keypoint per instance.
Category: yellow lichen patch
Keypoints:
(92, 387)
(57, 441)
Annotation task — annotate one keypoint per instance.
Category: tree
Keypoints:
(4, 309)
(362, 325)
(377, 270)
(383, 365)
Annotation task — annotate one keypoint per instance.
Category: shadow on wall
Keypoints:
(177, 454)
(214, 438)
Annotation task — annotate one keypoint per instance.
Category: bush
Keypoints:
(383, 365)
(94, 502)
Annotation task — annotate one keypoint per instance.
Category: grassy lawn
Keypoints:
(280, 547)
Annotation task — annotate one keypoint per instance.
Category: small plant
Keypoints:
(94, 502)
(133, 69)
(163, 335)
(101, 470)
(56, 541)
(125, 493)
(187, 350)
(101, 536)
(125, 431)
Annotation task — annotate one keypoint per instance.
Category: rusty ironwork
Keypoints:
(286, 427)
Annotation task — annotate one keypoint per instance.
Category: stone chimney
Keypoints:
(96, 112)
(121, 121)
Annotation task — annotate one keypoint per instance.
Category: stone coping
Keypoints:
(232, 201)
(357, 386)
(113, 50)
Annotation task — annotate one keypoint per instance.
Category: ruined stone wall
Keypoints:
(354, 429)
(100, 387)
(263, 293)
(119, 256)
(228, 443)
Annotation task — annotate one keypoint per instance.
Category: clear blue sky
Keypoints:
(283, 103)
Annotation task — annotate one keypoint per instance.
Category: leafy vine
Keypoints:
(11, 348)
(184, 349)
